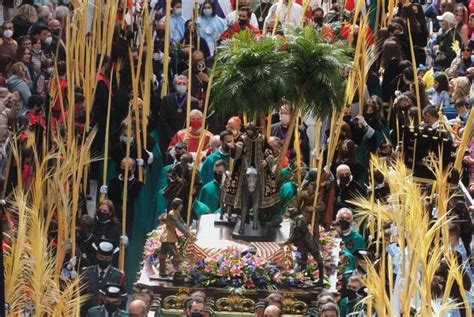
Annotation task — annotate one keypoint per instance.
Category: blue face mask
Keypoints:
(207, 12)
(177, 11)
(181, 89)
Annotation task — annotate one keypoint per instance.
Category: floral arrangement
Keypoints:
(231, 269)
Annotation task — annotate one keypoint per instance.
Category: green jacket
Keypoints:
(207, 169)
(210, 195)
(354, 242)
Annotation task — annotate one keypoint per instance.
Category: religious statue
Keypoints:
(305, 198)
(169, 238)
(305, 242)
(251, 178)
(179, 183)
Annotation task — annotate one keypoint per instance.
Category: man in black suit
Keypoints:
(347, 188)
(173, 112)
(96, 277)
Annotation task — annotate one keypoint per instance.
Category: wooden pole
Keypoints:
(124, 195)
(415, 73)
(200, 146)
(190, 80)
(166, 53)
(106, 140)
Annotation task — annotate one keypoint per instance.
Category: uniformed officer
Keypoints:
(98, 276)
(112, 297)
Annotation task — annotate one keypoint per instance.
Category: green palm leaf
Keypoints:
(249, 76)
(317, 71)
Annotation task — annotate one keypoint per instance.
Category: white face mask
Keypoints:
(284, 118)
(125, 139)
(8, 34)
(48, 40)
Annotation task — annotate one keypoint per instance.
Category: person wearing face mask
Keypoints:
(222, 153)
(8, 45)
(244, 14)
(115, 193)
(192, 135)
(210, 193)
(112, 299)
(97, 277)
(353, 241)
(177, 22)
(37, 55)
(350, 304)
(106, 226)
(347, 188)
(57, 47)
(199, 76)
(210, 26)
(280, 129)
(233, 16)
(318, 19)
(173, 112)
(118, 148)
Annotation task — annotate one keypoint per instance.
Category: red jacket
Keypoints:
(235, 28)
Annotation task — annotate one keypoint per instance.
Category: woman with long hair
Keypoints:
(106, 225)
(23, 55)
(22, 21)
(210, 26)
(196, 40)
(413, 14)
(391, 57)
(462, 19)
(440, 91)
(17, 81)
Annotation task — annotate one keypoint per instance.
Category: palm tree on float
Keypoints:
(253, 75)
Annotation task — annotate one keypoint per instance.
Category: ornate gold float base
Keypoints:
(170, 298)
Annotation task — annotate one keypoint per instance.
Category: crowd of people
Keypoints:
(33, 68)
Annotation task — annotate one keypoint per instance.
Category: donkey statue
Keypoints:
(250, 194)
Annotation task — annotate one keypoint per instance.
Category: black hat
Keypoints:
(105, 247)
(113, 291)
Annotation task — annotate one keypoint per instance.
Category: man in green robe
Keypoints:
(161, 201)
(210, 194)
(207, 168)
(353, 241)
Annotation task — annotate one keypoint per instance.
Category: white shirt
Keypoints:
(291, 13)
